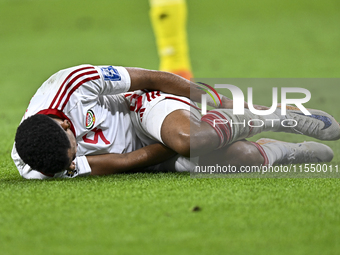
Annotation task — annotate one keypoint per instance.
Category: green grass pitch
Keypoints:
(154, 213)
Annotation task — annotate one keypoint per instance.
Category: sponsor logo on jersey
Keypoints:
(90, 119)
(110, 73)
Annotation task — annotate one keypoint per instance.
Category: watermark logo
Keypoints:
(212, 95)
(238, 99)
(243, 111)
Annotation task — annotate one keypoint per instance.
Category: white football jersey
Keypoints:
(91, 98)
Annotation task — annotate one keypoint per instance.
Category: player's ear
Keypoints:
(72, 166)
(65, 124)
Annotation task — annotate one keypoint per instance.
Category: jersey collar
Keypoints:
(59, 114)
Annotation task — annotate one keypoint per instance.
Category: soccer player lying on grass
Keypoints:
(82, 121)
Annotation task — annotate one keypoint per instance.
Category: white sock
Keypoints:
(275, 152)
(232, 128)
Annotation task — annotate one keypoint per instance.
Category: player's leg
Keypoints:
(278, 152)
(168, 18)
(172, 123)
(268, 152)
(232, 127)
(240, 153)
(319, 124)
(188, 135)
(175, 122)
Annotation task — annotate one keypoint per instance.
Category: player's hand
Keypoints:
(226, 103)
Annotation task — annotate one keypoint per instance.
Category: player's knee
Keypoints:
(189, 144)
(179, 142)
(244, 153)
(182, 144)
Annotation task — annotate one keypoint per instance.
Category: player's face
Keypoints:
(66, 125)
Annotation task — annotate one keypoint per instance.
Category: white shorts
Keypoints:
(148, 111)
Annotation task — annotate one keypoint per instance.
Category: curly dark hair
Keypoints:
(42, 144)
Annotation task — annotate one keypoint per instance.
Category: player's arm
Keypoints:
(173, 84)
(116, 163)
(163, 81)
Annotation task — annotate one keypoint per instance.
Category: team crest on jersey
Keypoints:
(110, 73)
(90, 119)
